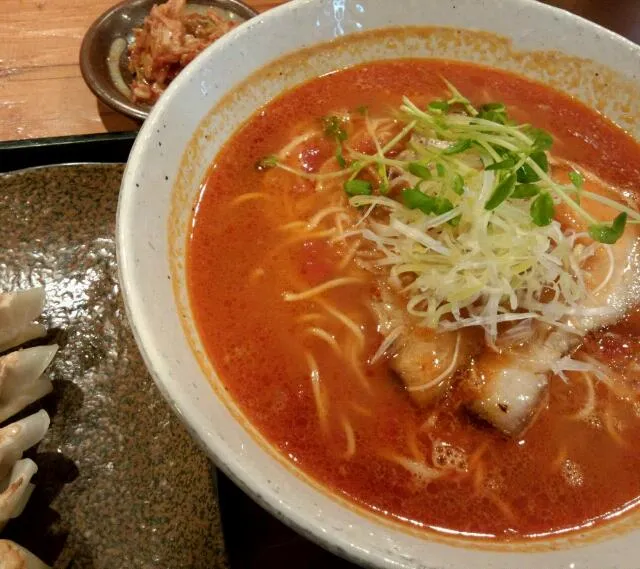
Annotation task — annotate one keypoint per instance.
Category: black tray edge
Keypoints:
(93, 148)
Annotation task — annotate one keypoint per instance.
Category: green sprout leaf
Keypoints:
(458, 147)
(542, 140)
(502, 152)
(442, 205)
(438, 106)
(494, 116)
(501, 192)
(457, 184)
(577, 179)
(420, 170)
(357, 187)
(500, 107)
(542, 209)
(524, 191)
(413, 198)
(494, 112)
(266, 163)
(503, 164)
(334, 128)
(526, 174)
(441, 170)
(609, 234)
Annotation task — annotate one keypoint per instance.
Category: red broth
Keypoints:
(561, 474)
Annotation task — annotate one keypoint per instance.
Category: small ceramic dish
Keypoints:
(103, 54)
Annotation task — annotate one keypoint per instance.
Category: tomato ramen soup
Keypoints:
(418, 281)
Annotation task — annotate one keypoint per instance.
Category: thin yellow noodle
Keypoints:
(429, 422)
(249, 196)
(351, 438)
(311, 292)
(293, 225)
(355, 365)
(313, 202)
(310, 317)
(476, 456)
(334, 195)
(326, 337)
(382, 121)
(365, 215)
(612, 265)
(371, 131)
(590, 404)
(504, 508)
(478, 480)
(342, 317)
(339, 227)
(285, 151)
(349, 255)
(345, 217)
(361, 410)
(344, 236)
(447, 372)
(302, 236)
(389, 340)
(340, 219)
(316, 388)
(318, 217)
(610, 379)
(381, 133)
(314, 177)
(417, 469)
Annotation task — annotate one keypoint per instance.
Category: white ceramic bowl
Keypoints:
(183, 134)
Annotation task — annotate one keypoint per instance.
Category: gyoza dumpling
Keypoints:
(16, 489)
(21, 381)
(13, 556)
(18, 310)
(19, 436)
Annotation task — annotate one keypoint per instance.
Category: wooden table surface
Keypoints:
(43, 94)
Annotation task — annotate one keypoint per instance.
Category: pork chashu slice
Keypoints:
(425, 361)
(508, 387)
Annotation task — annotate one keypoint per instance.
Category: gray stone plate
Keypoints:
(120, 483)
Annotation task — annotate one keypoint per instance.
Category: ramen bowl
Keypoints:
(187, 127)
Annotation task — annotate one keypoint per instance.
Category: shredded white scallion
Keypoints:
(488, 261)
(458, 208)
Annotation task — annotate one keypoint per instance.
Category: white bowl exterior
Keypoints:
(143, 252)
